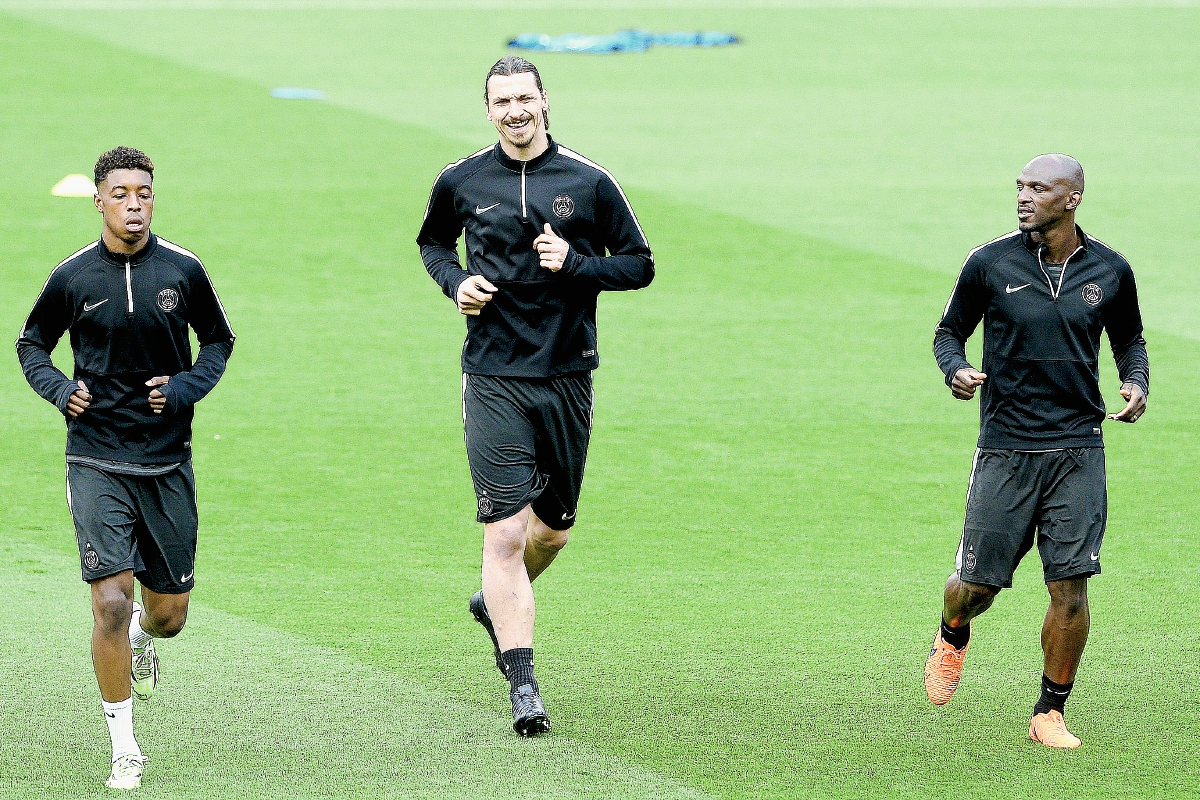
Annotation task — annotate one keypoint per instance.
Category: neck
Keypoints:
(1061, 239)
(538, 145)
(116, 244)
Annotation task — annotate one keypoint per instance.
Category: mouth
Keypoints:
(134, 224)
(1024, 213)
(516, 127)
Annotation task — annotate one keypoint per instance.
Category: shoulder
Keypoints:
(989, 253)
(455, 174)
(181, 257)
(584, 165)
(71, 266)
(1112, 258)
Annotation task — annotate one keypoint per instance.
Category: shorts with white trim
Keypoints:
(527, 441)
(144, 523)
(1056, 498)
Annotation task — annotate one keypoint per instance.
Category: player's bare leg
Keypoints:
(962, 601)
(1064, 635)
(112, 606)
(506, 586)
(163, 615)
(542, 545)
(1065, 630)
(508, 594)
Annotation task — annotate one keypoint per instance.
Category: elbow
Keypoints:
(647, 276)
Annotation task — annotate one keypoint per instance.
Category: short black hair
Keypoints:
(515, 65)
(122, 158)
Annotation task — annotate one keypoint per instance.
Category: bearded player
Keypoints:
(127, 301)
(546, 231)
(1044, 294)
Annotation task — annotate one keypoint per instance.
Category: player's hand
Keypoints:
(1135, 407)
(158, 400)
(965, 382)
(80, 399)
(473, 294)
(552, 248)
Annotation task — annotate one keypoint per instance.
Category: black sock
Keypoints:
(1054, 696)
(519, 664)
(956, 637)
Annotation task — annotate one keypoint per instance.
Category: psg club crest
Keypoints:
(563, 206)
(168, 299)
(969, 561)
(485, 505)
(91, 559)
(1092, 294)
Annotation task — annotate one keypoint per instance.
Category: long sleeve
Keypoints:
(216, 337)
(1123, 321)
(962, 315)
(438, 239)
(631, 264)
(47, 322)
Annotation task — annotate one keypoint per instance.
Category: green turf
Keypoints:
(777, 473)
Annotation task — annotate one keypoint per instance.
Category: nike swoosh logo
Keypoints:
(92, 306)
(1094, 556)
(479, 210)
(110, 716)
(187, 577)
(569, 517)
(1010, 289)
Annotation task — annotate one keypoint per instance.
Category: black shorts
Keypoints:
(146, 523)
(527, 441)
(1058, 498)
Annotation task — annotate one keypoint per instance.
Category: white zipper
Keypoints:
(128, 289)
(1061, 276)
(524, 213)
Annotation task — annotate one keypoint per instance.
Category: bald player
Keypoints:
(1044, 293)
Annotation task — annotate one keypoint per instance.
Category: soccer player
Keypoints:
(546, 231)
(1044, 294)
(127, 301)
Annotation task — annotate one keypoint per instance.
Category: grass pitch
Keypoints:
(777, 475)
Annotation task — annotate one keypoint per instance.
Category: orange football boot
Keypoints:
(1051, 730)
(943, 670)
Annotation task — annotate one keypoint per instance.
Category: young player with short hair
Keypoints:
(127, 301)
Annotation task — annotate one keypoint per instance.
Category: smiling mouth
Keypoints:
(519, 126)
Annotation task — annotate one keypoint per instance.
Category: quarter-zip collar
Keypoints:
(532, 165)
(1038, 248)
(121, 259)
(1033, 247)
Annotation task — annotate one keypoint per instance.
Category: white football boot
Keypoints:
(126, 772)
(143, 677)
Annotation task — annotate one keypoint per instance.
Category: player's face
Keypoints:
(126, 199)
(516, 107)
(1043, 199)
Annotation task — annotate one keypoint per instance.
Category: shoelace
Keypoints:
(126, 764)
(143, 665)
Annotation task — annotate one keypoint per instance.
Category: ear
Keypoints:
(97, 202)
(1074, 199)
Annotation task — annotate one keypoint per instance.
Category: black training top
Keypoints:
(1041, 339)
(539, 323)
(128, 317)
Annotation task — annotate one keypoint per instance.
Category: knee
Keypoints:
(1069, 597)
(549, 539)
(504, 540)
(977, 594)
(170, 623)
(112, 611)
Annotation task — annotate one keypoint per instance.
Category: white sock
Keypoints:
(137, 636)
(119, 717)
